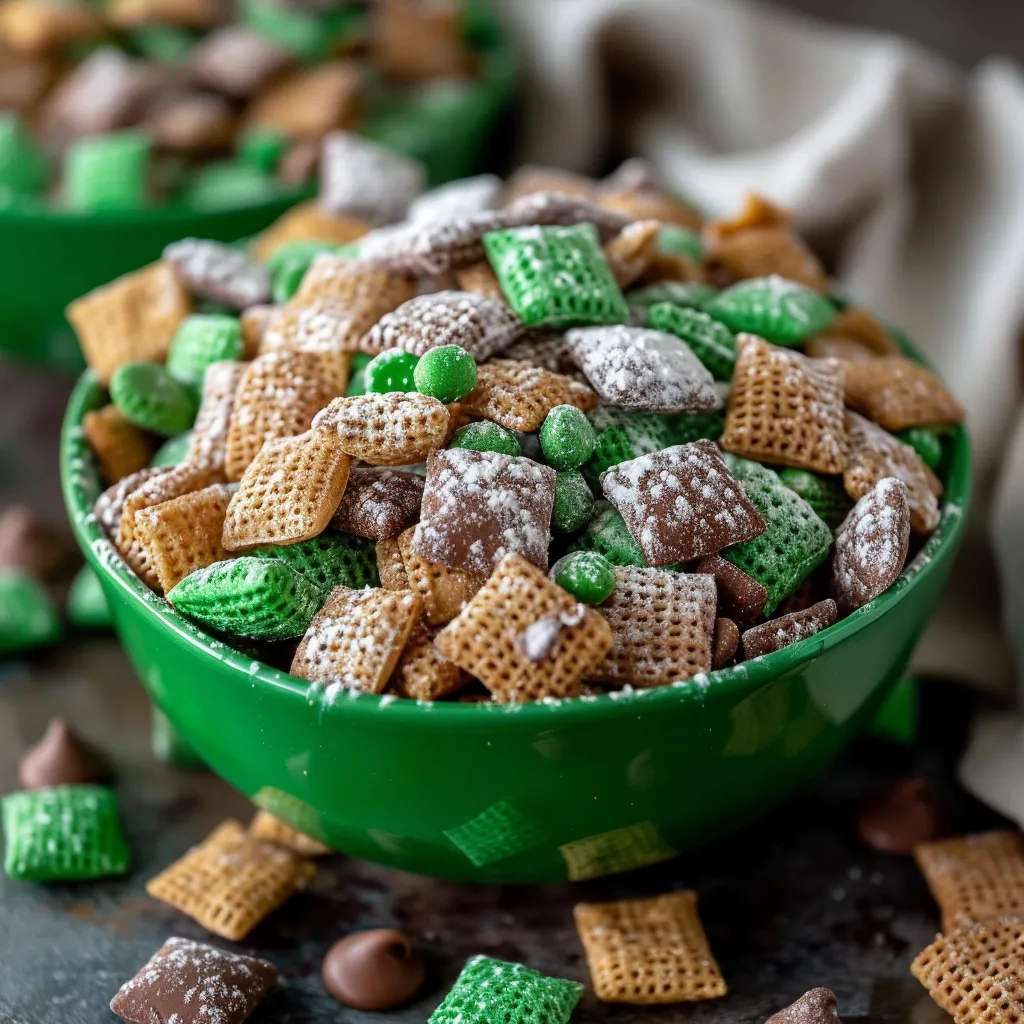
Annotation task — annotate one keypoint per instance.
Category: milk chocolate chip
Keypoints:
(897, 818)
(373, 970)
(818, 1006)
(60, 758)
(29, 544)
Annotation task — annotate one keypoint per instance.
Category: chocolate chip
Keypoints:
(818, 1006)
(373, 970)
(726, 642)
(903, 814)
(29, 544)
(60, 758)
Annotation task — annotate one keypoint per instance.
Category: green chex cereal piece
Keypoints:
(333, 559)
(23, 169)
(311, 35)
(567, 437)
(446, 373)
(173, 451)
(87, 604)
(148, 396)
(497, 833)
(163, 44)
(300, 250)
(259, 598)
(674, 238)
(587, 575)
(556, 276)
(711, 341)
(107, 172)
(608, 535)
(779, 310)
(927, 443)
(63, 834)
(574, 502)
(489, 991)
(690, 294)
(228, 183)
(391, 370)
(795, 542)
(485, 436)
(28, 615)
(262, 148)
(826, 495)
(167, 745)
(200, 340)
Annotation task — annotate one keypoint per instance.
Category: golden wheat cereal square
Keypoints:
(309, 101)
(854, 332)
(109, 507)
(898, 393)
(649, 951)
(171, 483)
(480, 279)
(423, 673)
(231, 881)
(391, 566)
(379, 503)
(663, 626)
(444, 591)
(356, 639)
(420, 41)
(253, 322)
(289, 492)
(784, 408)
(306, 221)
(524, 637)
(648, 204)
(265, 826)
(184, 534)
(119, 446)
(208, 443)
(130, 320)
(518, 396)
(631, 252)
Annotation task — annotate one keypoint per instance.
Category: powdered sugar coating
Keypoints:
(379, 503)
(458, 198)
(208, 445)
(213, 270)
(788, 629)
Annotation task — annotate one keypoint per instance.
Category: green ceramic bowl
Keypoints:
(50, 257)
(522, 793)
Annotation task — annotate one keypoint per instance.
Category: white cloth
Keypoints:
(908, 171)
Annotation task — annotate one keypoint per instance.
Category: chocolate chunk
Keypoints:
(818, 1006)
(60, 758)
(29, 544)
(726, 642)
(373, 970)
(895, 819)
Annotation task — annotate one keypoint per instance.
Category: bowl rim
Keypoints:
(81, 485)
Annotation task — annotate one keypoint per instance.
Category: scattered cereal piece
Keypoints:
(726, 642)
(781, 311)
(119, 446)
(274, 830)
(219, 272)
(379, 503)
(709, 340)
(330, 560)
(149, 397)
(587, 575)
(788, 629)
(897, 393)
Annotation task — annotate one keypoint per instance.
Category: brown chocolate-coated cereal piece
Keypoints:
(898, 393)
(120, 447)
(219, 272)
(60, 758)
(740, 597)
(726, 642)
(309, 102)
(788, 629)
(237, 61)
(373, 970)
(901, 815)
(379, 503)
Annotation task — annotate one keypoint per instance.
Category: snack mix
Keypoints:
(557, 438)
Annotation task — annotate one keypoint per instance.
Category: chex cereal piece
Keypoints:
(490, 990)
(524, 637)
(547, 349)
(855, 334)
(630, 252)
(552, 209)
(480, 279)
(131, 319)
(662, 623)
(530, 179)
(209, 439)
(740, 597)
(274, 830)
(444, 591)
(688, 294)
(253, 322)
(457, 199)
(184, 534)
(119, 446)
(416, 41)
(391, 566)
(974, 878)
(898, 393)
(190, 982)
(329, 560)
(518, 396)
(289, 491)
(710, 341)
(278, 396)
(479, 506)
(871, 545)
(303, 222)
(608, 535)
(237, 60)
(781, 311)
(785, 408)
(555, 276)
(393, 429)
(109, 507)
(308, 102)
(875, 454)
(788, 629)
(481, 326)
(231, 881)
(648, 204)
(726, 642)
(63, 834)
(219, 272)
(261, 598)
(609, 853)
(977, 972)
(649, 951)
(423, 672)
(379, 503)
(496, 833)
(356, 639)
(795, 542)
(825, 494)
(643, 369)
(171, 483)
(681, 503)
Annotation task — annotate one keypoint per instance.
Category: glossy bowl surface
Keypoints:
(522, 793)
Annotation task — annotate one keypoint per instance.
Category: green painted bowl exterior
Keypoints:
(521, 793)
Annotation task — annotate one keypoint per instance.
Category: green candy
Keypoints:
(200, 340)
(574, 503)
(711, 341)
(567, 438)
(683, 293)
(107, 172)
(331, 560)
(795, 542)
(826, 495)
(927, 443)
(87, 606)
(163, 44)
(779, 310)
(357, 374)
(302, 251)
(608, 535)
(446, 373)
(262, 148)
(587, 575)
(148, 396)
(259, 598)
(311, 36)
(23, 170)
(28, 615)
(63, 834)
(286, 282)
(167, 745)
(392, 370)
(173, 451)
(485, 436)
(556, 276)
(680, 241)
(229, 183)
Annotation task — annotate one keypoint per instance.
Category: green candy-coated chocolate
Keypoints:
(446, 373)
(23, 169)
(286, 282)
(262, 148)
(567, 438)
(485, 436)
(311, 35)
(331, 560)
(779, 310)
(163, 44)
(148, 396)
(675, 239)
(87, 606)
(690, 294)
(107, 172)
(927, 443)
(200, 340)
(574, 502)
(300, 250)
(173, 451)
(826, 495)
(711, 341)
(587, 575)
(392, 370)
(28, 615)
(229, 183)
(608, 535)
